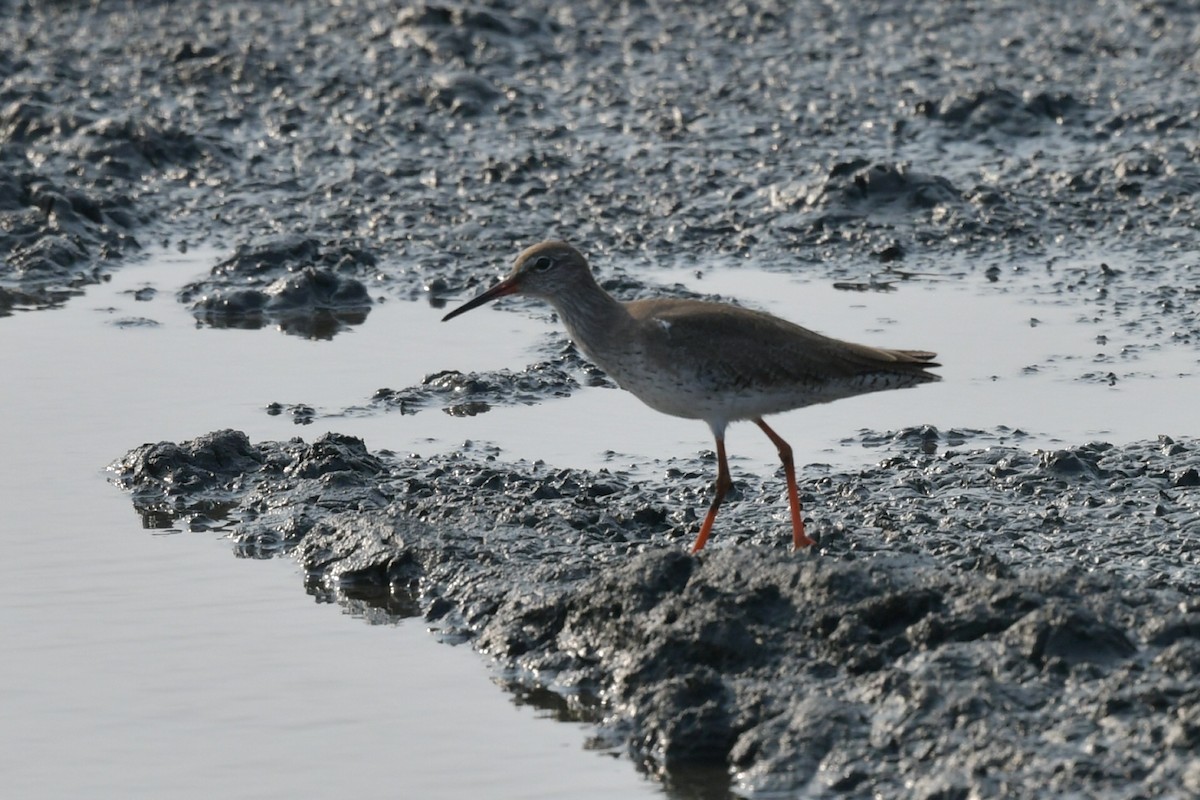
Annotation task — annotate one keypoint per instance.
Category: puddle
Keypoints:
(1010, 363)
(158, 666)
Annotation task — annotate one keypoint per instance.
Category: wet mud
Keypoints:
(290, 282)
(980, 619)
(974, 622)
(418, 147)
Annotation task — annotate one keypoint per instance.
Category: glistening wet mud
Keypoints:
(1014, 619)
(978, 618)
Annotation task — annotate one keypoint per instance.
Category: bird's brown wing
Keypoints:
(745, 348)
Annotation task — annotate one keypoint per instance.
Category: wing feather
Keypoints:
(747, 349)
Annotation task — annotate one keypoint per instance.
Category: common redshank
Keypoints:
(703, 360)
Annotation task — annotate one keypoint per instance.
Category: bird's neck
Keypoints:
(590, 315)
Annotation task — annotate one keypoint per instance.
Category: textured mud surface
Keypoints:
(979, 619)
(416, 148)
(981, 622)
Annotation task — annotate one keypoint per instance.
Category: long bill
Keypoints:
(504, 287)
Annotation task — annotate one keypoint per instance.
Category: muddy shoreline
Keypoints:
(936, 638)
(979, 618)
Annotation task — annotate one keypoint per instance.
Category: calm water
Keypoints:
(140, 665)
(144, 665)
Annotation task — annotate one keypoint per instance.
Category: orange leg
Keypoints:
(723, 484)
(799, 537)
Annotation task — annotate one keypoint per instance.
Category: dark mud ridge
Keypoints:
(986, 622)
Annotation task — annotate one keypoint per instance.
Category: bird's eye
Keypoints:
(543, 263)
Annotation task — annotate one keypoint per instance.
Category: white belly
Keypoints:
(692, 396)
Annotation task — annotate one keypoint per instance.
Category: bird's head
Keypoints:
(546, 271)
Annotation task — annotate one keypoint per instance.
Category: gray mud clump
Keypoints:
(985, 622)
(290, 281)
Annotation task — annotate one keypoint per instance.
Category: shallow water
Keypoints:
(1011, 362)
(157, 665)
(154, 665)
